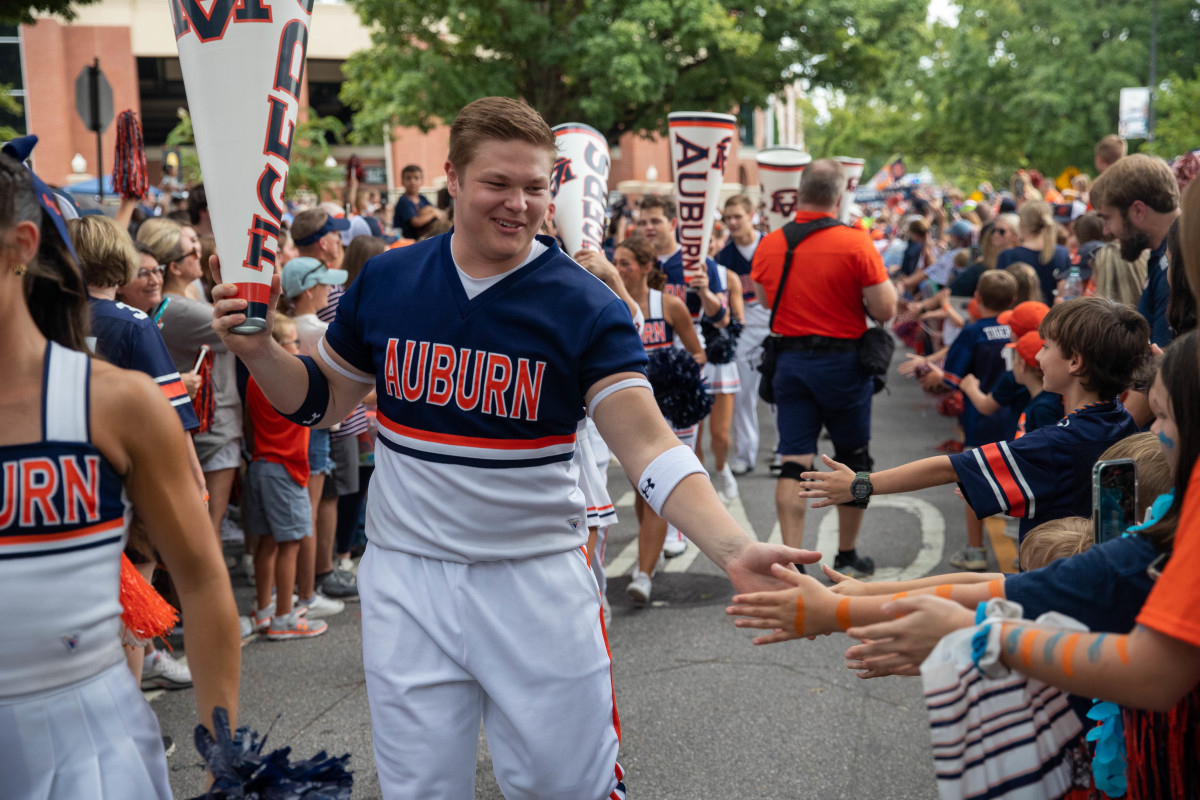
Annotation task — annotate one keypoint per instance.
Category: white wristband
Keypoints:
(664, 474)
(607, 391)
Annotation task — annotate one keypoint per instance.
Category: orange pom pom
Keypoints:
(145, 615)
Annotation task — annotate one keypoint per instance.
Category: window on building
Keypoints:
(12, 115)
(160, 85)
(324, 82)
(746, 124)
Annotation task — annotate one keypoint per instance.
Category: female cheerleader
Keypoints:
(665, 317)
(81, 442)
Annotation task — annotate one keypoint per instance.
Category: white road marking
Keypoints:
(929, 520)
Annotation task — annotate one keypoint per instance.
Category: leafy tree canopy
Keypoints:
(22, 11)
(618, 65)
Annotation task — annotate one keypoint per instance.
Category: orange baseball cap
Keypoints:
(1024, 317)
(1027, 347)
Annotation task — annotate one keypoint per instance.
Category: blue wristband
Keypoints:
(316, 401)
(715, 319)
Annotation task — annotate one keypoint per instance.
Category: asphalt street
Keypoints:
(703, 712)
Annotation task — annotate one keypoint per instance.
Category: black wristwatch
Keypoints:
(861, 489)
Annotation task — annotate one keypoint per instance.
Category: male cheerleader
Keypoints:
(477, 599)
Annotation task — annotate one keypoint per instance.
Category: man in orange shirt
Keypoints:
(818, 379)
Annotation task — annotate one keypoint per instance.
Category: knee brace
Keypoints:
(792, 470)
(856, 458)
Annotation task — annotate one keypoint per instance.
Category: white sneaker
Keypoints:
(344, 565)
(726, 484)
(673, 548)
(248, 568)
(973, 559)
(161, 671)
(639, 588)
(261, 623)
(320, 606)
(294, 626)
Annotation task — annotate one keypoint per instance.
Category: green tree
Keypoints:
(9, 105)
(311, 146)
(22, 13)
(1177, 111)
(1037, 82)
(619, 65)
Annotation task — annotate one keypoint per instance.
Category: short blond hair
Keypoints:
(106, 253)
(282, 324)
(164, 238)
(1058, 538)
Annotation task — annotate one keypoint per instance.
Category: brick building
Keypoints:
(136, 49)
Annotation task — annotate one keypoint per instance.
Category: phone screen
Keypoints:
(1114, 498)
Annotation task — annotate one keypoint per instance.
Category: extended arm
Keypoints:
(143, 440)
(1143, 669)
(808, 608)
(283, 377)
(833, 488)
(856, 588)
(633, 427)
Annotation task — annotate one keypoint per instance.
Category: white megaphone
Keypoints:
(701, 142)
(579, 185)
(779, 173)
(243, 63)
(853, 167)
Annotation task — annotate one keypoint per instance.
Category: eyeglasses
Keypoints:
(144, 273)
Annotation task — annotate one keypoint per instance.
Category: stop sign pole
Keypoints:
(93, 101)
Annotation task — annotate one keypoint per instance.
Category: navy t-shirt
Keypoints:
(1061, 260)
(405, 211)
(977, 351)
(128, 338)
(1153, 303)
(1103, 587)
(1046, 474)
(731, 258)
(1045, 409)
(1007, 392)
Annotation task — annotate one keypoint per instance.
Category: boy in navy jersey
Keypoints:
(486, 346)
(1092, 348)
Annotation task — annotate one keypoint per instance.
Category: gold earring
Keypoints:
(19, 270)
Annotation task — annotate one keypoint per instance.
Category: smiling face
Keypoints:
(144, 292)
(1056, 368)
(633, 274)
(500, 199)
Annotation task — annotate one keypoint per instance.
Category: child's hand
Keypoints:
(843, 584)
(866, 671)
(969, 385)
(830, 488)
(932, 380)
(921, 622)
(788, 613)
(912, 365)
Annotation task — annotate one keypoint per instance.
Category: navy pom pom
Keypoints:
(680, 391)
(242, 772)
(720, 343)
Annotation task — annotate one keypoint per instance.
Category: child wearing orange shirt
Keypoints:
(277, 505)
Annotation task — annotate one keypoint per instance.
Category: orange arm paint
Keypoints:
(843, 614)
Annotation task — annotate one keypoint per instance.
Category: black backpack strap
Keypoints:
(795, 233)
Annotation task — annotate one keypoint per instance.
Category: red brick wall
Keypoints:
(54, 56)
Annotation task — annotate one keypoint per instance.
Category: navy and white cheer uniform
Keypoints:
(755, 328)
(722, 378)
(73, 724)
(477, 596)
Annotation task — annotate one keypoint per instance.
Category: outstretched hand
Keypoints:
(829, 488)
(897, 645)
(751, 570)
(843, 584)
(788, 613)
